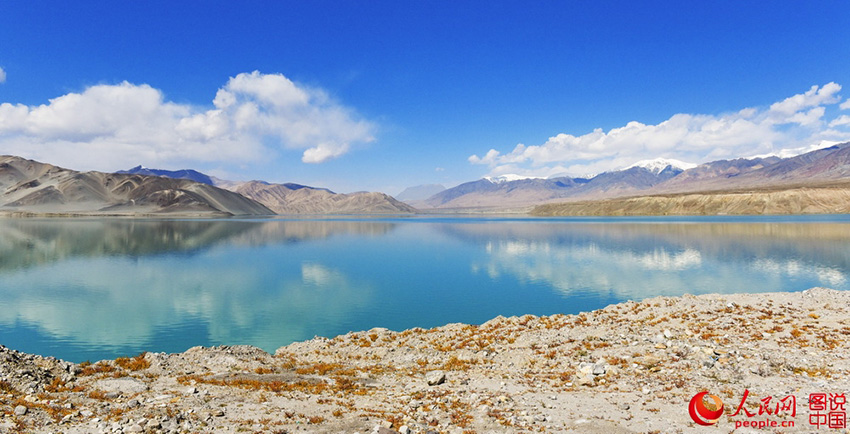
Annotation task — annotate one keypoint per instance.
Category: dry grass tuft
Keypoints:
(137, 363)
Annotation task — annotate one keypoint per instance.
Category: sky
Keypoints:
(383, 95)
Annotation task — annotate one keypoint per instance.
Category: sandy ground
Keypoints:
(630, 367)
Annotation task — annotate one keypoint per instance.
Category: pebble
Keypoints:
(435, 378)
(20, 410)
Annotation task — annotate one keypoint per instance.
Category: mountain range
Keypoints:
(291, 198)
(744, 185)
(651, 177)
(31, 187)
(28, 186)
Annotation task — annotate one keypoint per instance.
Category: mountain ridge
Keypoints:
(648, 177)
(28, 186)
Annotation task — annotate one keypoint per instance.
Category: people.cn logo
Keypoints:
(705, 413)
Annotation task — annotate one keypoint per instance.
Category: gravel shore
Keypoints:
(630, 367)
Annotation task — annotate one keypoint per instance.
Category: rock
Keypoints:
(584, 380)
(404, 430)
(125, 386)
(599, 369)
(20, 410)
(382, 430)
(86, 413)
(133, 403)
(435, 378)
(134, 428)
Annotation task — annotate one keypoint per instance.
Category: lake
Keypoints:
(89, 289)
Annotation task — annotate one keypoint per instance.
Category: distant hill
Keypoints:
(32, 187)
(823, 199)
(291, 198)
(485, 193)
(284, 199)
(419, 192)
(505, 192)
(189, 174)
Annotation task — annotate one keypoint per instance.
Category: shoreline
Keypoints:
(629, 367)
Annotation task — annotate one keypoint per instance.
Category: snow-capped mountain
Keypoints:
(658, 165)
(657, 176)
(509, 177)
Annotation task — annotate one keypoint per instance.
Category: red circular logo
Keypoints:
(705, 413)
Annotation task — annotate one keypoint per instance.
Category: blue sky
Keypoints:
(381, 95)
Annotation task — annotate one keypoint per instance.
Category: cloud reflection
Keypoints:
(640, 260)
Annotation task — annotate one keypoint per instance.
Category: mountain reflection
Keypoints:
(29, 242)
(99, 288)
(639, 260)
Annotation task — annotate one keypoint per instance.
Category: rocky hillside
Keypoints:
(286, 199)
(823, 199)
(28, 186)
(627, 368)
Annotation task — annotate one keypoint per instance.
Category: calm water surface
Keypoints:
(88, 289)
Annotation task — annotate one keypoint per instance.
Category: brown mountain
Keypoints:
(816, 182)
(822, 199)
(812, 169)
(32, 187)
(822, 165)
(299, 199)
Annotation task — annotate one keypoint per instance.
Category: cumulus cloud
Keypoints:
(845, 105)
(842, 120)
(110, 126)
(795, 122)
(2, 75)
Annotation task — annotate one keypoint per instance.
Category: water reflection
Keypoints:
(90, 289)
(29, 242)
(118, 286)
(639, 260)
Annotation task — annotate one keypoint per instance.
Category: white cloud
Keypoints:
(112, 126)
(795, 122)
(845, 105)
(812, 98)
(2, 75)
(842, 120)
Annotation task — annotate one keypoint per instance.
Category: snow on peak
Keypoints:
(659, 164)
(788, 153)
(507, 178)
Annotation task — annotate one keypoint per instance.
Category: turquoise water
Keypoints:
(88, 289)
